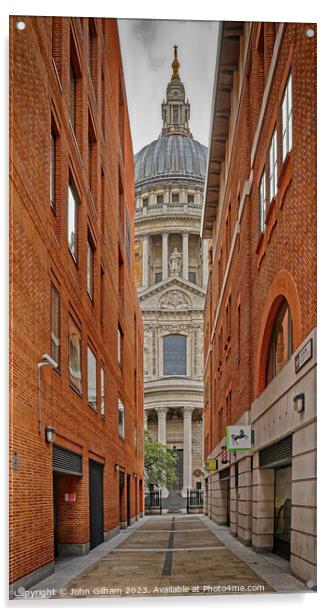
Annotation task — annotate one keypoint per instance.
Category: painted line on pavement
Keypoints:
(167, 566)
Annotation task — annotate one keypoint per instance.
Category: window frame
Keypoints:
(76, 200)
(92, 402)
(102, 392)
(77, 388)
(262, 201)
(90, 251)
(121, 414)
(273, 166)
(272, 346)
(56, 339)
(287, 117)
(164, 351)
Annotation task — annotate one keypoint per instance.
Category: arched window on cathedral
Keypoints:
(281, 342)
(174, 355)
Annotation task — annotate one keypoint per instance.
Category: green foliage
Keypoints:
(160, 463)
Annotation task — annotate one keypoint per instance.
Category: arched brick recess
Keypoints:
(283, 286)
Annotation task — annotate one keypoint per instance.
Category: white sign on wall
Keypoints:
(238, 438)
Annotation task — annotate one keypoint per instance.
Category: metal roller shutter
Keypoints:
(66, 461)
(277, 454)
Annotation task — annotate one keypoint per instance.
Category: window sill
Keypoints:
(92, 408)
(73, 256)
(79, 393)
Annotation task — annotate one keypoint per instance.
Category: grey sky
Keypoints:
(147, 53)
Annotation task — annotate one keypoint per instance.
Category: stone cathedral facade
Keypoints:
(171, 264)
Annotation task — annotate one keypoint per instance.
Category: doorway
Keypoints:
(56, 513)
(178, 482)
(96, 503)
(128, 504)
(282, 512)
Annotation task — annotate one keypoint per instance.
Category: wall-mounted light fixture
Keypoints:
(47, 361)
(50, 434)
(117, 467)
(299, 403)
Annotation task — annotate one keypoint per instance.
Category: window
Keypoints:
(91, 379)
(72, 220)
(174, 354)
(158, 277)
(175, 198)
(280, 346)
(90, 267)
(57, 45)
(273, 166)
(52, 168)
(92, 44)
(121, 426)
(287, 118)
(262, 202)
(127, 237)
(119, 345)
(190, 198)
(75, 366)
(102, 295)
(176, 114)
(145, 202)
(92, 159)
(192, 277)
(159, 199)
(73, 95)
(55, 325)
(102, 392)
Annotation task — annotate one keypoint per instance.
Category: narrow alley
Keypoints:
(168, 555)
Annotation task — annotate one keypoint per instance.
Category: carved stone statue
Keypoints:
(174, 300)
(175, 261)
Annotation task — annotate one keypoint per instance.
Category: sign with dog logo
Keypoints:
(238, 438)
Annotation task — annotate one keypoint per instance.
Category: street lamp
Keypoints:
(47, 361)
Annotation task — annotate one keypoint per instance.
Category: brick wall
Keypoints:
(282, 260)
(39, 256)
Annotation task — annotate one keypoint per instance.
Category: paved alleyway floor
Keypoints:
(169, 555)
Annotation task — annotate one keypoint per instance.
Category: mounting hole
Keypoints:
(20, 25)
(310, 33)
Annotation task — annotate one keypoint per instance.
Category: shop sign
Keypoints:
(70, 497)
(211, 465)
(304, 355)
(238, 438)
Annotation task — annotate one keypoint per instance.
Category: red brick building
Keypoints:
(72, 295)
(260, 313)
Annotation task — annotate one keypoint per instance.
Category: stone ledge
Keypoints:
(33, 578)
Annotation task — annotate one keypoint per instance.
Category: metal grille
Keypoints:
(277, 454)
(66, 461)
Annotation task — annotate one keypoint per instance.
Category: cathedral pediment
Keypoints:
(175, 293)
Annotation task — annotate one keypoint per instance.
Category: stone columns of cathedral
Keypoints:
(162, 422)
(187, 429)
(185, 254)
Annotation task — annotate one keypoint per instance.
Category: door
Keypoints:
(128, 504)
(55, 509)
(96, 503)
(227, 502)
(282, 512)
(178, 483)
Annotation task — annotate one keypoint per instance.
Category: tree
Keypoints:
(160, 463)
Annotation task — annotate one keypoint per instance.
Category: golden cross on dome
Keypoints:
(175, 65)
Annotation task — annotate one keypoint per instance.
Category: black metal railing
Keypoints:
(194, 499)
(153, 502)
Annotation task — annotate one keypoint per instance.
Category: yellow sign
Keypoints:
(211, 465)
